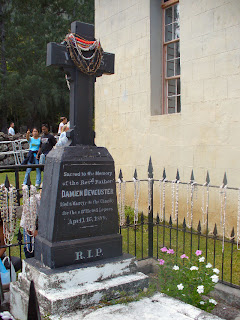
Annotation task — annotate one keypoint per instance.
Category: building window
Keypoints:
(171, 57)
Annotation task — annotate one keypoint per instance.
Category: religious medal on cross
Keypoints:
(81, 84)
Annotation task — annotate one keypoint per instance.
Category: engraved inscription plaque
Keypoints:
(86, 201)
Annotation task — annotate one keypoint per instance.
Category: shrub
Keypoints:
(188, 280)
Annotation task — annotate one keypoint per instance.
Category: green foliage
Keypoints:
(189, 281)
(31, 92)
(129, 212)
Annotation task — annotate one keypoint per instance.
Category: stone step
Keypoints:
(78, 275)
(156, 307)
(59, 302)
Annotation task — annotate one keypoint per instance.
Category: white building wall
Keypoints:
(206, 134)
(123, 99)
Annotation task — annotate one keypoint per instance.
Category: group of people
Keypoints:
(40, 146)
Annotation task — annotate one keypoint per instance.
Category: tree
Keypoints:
(3, 67)
(33, 93)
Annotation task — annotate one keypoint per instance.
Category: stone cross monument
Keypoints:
(78, 251)
(81, 85)
(78, 220)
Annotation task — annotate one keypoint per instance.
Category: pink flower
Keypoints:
(161, 261)
(183, 256)
(198, 252)
(171, 251)
(164, 249)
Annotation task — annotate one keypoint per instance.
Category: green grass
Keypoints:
(11, 177)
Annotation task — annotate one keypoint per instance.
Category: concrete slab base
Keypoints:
(157, 307)
(71, 288)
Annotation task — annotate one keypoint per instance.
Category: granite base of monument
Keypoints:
(91, 249)
(71, 288)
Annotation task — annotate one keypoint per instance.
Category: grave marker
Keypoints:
(78, 219)
(81, 85)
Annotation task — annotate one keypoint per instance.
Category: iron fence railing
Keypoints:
(145, 235)
(16, 169)
(136, 241)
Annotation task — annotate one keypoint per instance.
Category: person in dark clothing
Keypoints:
(47, 143)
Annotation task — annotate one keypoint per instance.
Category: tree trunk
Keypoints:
(3, 123)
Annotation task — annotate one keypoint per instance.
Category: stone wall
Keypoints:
(6, 147)
(206, 134)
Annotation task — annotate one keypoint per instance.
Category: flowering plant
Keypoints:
(188, 280)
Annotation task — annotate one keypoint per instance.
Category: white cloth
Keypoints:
(62, 140)
(60, 127)
(11, 131)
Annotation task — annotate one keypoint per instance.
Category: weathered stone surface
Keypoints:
(159, 306)
(7, 147)
(75, 287)
(228, 294)
(3, 147)
(80, 274)
(25, 145)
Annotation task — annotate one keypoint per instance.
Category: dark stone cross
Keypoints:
(78, 216)
(81, 85)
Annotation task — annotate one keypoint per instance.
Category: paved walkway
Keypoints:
(158, 307)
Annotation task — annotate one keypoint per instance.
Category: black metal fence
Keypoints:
(147, 234)
(145, 237)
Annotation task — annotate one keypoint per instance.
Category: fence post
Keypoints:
(17, 185)
(33, 307)
(150, 209)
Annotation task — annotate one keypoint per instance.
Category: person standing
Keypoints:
(63, 140)
(11, 130)
(47, 143)
(34, 145)
(62, 123)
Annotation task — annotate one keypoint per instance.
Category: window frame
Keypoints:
(166, 79)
